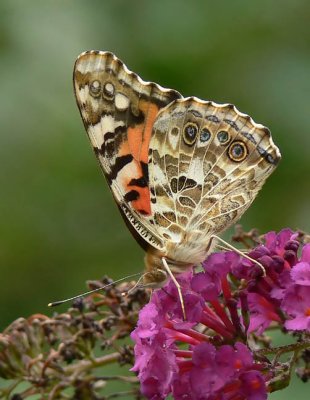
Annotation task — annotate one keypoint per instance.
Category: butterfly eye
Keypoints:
(223, 137)
(237, 151)
(190, 133)
(95, 88)
(205, 135)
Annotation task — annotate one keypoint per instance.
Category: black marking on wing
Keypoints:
(171, 96)
(232, 124)
(107, 148)
(108, 136)
(212, 118)
(135, 119)
(268, 157)
(185, 183)
(182, 183)
(187, 202)
(249, 136)
(120, 163)
(195, 113)
(141, 182)
(178, 114)
(110, 141)
(174, 185)
(145, 171)
(131, 195)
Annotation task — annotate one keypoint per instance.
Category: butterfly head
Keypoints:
(156, 275)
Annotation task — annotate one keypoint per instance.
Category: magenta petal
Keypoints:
(276, 242)
(205, 284)
(300, 274)
(181, 388)
(253, 386)
(298, 324)
(243, 354)
(296, 304)
(262, 313)
(204, 355)
(305, 255)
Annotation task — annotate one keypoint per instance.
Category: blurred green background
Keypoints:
(59, 224)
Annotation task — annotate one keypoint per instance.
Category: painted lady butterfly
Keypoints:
(181, 170)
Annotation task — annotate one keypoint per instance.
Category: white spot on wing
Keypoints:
(96, 84)
(121, 102)
(131, 169)
(109, 88)
(85, 97)
(83, 94)
(173, 140)
(97, 132)
(195, 171)
(90, 64)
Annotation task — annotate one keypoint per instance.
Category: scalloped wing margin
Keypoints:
(207, 163)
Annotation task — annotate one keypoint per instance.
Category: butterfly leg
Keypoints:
(166, 266)
(239, 252)
(220, 247)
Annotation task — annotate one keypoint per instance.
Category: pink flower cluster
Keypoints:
(208, 356)
(284, 294)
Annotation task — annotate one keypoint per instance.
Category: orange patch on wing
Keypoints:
(138, 145)
(124, 149)
(139, 137)
(143, 203)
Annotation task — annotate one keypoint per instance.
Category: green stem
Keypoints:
(85, 365)
(284, 349)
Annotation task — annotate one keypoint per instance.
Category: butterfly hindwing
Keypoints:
(207, 163)
(119, 110)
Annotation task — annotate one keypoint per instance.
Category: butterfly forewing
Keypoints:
(119, 110)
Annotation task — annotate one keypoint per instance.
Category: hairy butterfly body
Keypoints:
(180, 169)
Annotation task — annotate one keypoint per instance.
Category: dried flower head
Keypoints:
(65, 356)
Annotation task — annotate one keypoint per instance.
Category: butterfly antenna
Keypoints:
(57, 303)
(137, 284)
